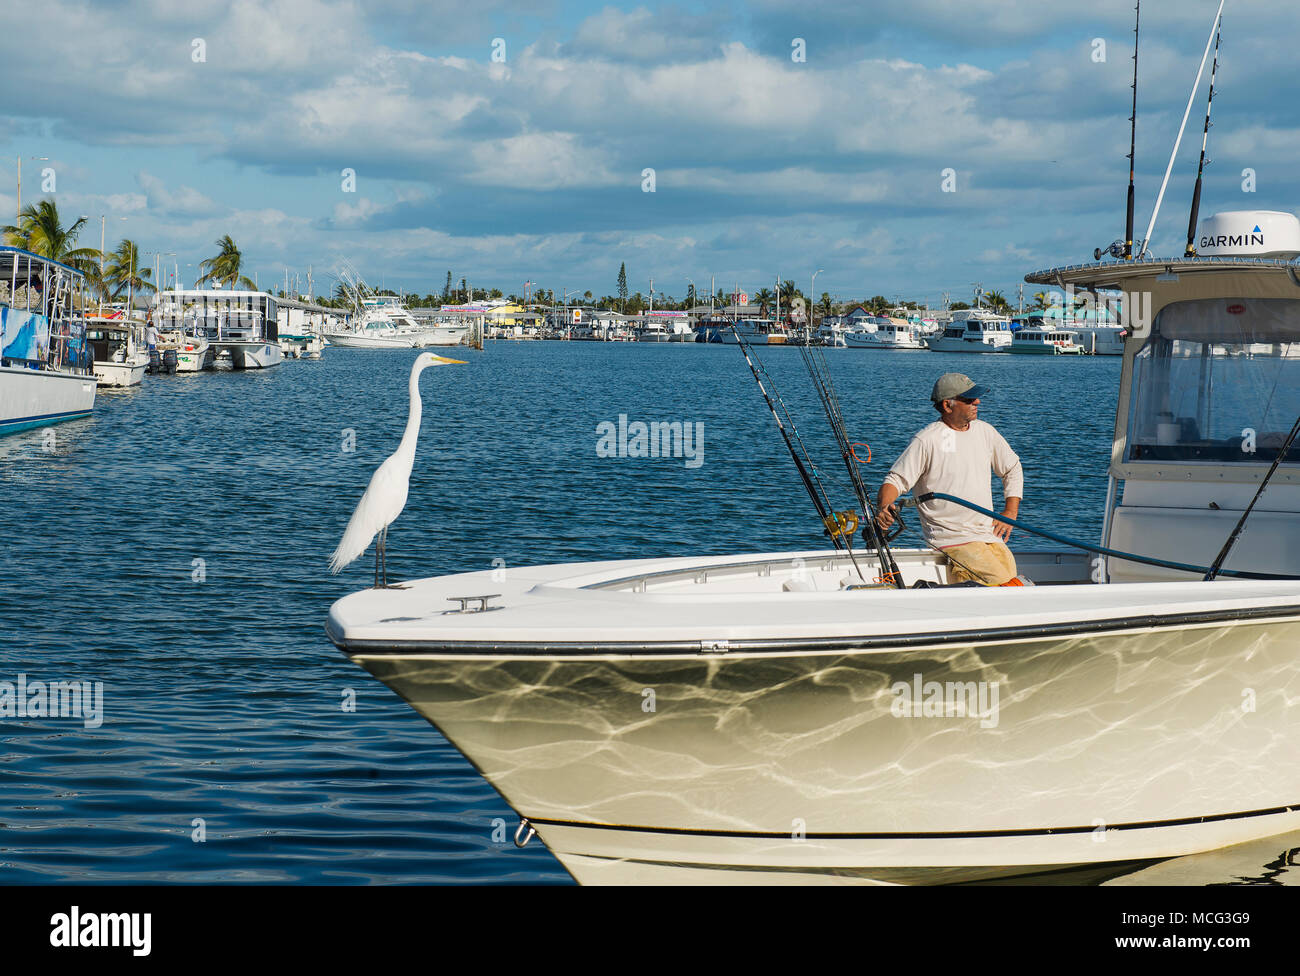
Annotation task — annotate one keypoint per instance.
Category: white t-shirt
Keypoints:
(957, 462)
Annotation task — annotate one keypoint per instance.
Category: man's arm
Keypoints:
(1007, 466)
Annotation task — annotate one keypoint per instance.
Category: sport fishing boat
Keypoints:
(1044, 342)
(46, 370)
(384, 322)
(973, 330)
(808, 717)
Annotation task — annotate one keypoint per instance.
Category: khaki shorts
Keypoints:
(984, 562)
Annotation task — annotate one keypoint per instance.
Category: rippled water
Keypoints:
(173, 547)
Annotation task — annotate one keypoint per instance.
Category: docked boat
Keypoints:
(887, 334)
(116, 342)
(653, 332)
(1045, 342)
(46, 370)
(756, 332)
(202, 325)
(384, 322)
(779, 718)
(973, 330)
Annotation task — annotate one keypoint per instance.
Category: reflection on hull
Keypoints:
(794, 768)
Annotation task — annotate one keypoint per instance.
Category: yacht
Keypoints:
(384, 322)
(1041, 341)
(783, 717)
(756, 332)
(116, 340)
(205, 324)
(887, 334)
(46, 370)
(973, 330)
(653, 331)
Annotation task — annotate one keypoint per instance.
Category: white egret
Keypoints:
(385, 496)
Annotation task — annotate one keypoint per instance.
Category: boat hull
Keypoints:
(38, 398)
(251, 355)
(115, 374)
(1104, 744)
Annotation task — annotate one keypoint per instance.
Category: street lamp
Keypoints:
(19, 214)
(812, 290)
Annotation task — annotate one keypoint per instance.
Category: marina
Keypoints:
(840, 479)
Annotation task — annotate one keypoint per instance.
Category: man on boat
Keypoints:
(955, 455)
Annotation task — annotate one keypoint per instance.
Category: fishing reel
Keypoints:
(1115, 250)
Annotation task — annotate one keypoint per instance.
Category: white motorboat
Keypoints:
(115, 340)
(46, 369)
(1045, 342)
(205, 324)
(653, 331)
(888, 334)
(384, 322)
(777, 718)
(973, 330)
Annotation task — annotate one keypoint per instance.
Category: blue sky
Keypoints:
(531, 167)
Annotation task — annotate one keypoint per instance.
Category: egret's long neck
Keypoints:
(412, 433)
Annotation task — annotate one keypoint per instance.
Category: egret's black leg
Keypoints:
(381, 555)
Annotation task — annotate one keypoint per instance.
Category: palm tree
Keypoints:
(826, 306)
(1040, 300)
(997, 301)
(764, 298)
(225, 266)
(41, 231)
(123, 273)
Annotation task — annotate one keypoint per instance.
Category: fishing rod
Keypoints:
(1089, 547)
(838, 531)
(1123, 248)
(1219, 560)
(815, 360)
(1132, 139)
(1205, 137)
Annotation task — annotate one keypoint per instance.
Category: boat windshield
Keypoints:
(1218, 380)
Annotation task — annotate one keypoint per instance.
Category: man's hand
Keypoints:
(885, 517)
(1011, 511)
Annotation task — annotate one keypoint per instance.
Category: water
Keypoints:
(174, 547)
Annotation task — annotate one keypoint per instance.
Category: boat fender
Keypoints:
(1019, 581)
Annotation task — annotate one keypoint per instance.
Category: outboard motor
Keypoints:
(155, 364)
(169, 361)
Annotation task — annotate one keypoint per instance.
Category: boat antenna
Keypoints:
(1190, 250)
(1222, 557)
(1146, 242)
(807, 469)
(1132, 139)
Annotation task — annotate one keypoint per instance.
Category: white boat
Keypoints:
(653, 332)
(204, 324)
(46, 369)
(973, 330)
(115, 339)
(1037, 341)
(774, 718)
(384, 322)
(888, 334)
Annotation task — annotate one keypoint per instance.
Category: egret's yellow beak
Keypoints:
(450, 362)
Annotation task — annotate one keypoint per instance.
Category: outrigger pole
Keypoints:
(1200, 169)
(1146, 243)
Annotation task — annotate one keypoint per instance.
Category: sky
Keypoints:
(507, 141)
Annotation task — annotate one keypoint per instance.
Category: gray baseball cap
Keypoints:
(951, 386)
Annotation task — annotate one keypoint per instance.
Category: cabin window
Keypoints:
(1218, 380)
